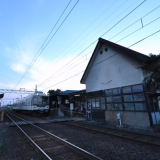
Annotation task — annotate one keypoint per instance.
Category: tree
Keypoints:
(152, 67)
(52, 92)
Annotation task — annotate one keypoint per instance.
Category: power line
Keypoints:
(106, 19)
(144, 38)
(42, 48)
(87, 27)
(123, 18)
(116, 42)
(95, 41)
(67, 69)
(82, 71)
(104, 59)
(100, 23)
(80, 35)
(138, 29)
(135, 22)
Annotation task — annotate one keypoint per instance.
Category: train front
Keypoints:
(40, 103)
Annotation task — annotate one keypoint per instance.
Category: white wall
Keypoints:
(117, 71)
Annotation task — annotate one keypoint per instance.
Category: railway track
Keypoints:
(140, 138)
(49, 145)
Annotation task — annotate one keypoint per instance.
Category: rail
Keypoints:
(62, 141)
(113, 134)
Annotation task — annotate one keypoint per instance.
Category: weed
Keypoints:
(1, 145)
(38, 158)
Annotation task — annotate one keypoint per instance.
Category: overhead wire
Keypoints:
(94, 41)
(135, 22)
(72, 66)
(144, 38)
(103, 60)
(99, 25)
(81, 71)
(138, 29)
(123, 18)
(87, 27)
(107, 23)
(81, 34)
(44, 46)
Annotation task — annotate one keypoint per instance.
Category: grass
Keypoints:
(38, 158)
(1, 145)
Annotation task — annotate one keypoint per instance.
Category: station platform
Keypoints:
(50, 120)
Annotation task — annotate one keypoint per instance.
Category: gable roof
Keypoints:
(126, 51)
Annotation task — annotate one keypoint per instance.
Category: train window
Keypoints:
(44, 99)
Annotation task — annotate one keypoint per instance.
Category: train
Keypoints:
(36, 103)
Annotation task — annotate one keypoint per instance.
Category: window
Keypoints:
(115, 106)
(138, 97)
(108, 92)
(109, 99)
(127, 90)
(89, 104)
(129, 106)
(140, 106)
(66, 101)
(59, 102)
(102, 105)
(110, 106)
(137, 88)
(118, 106)
(95, 103)
(116, 98)
(128, 98)
(116, 91)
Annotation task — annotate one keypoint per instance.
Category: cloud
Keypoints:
(20, 57)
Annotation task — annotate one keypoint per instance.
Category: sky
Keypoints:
(48, 43)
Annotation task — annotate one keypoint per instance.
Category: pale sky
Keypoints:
(60, 60)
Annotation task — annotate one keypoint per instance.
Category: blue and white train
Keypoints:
(37, 102)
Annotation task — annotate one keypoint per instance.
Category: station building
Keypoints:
(68, 103)
(113, 79)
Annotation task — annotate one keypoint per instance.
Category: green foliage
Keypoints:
(152, 67)
(52, 92)
(38, 158)
(1, 145)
